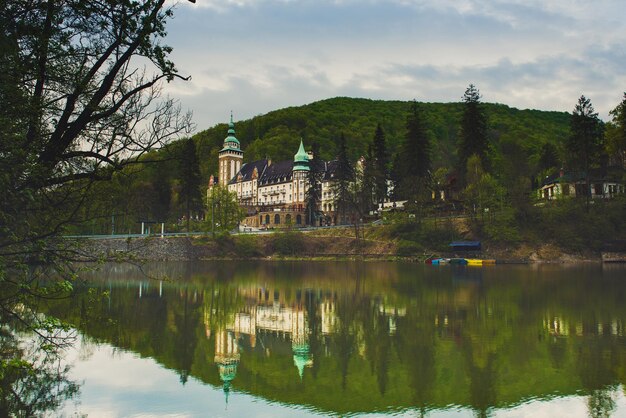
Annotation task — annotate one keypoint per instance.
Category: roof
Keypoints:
(612, 174)
(301, 159)
(231, 142)
(465, 244)
(247, 170)
(278, 172)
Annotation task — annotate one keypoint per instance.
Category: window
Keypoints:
(299, 220)
(288, 218)
(267, 219)
(598, 189)
(277, 219)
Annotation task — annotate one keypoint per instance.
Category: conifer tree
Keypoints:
(585, 143)
(381, 163)
(344, 177)
(365, 183)
(473, 134)
(189, 179)
(313, 194)
(413, 163)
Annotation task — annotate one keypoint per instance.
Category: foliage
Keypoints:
(569, 224)
(412, 164)
(403, 335)
(223, 210)
(81, 101)
(483, 192)
(288, 243)
(344, 178)
(616, 134)
(247, 246)
(408, 248)
(379, 161)
(81, 111)
(357, 118)
(585, 142)
(473, 133)
(190, 182)
(313, 194)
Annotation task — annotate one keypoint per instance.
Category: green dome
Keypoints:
(227, 371)
(231, 142)
(301, 357)
(301, 159)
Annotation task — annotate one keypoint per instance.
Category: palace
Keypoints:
(274, 193)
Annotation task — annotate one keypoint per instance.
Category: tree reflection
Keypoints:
(32, 381)
(377, 340)
(600, 403)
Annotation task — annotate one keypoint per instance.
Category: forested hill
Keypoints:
(277, 133)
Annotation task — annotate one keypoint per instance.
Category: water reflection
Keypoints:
(347, 338)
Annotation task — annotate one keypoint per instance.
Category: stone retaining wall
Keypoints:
(150, 248)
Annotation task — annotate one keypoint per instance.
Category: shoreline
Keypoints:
(145, 249)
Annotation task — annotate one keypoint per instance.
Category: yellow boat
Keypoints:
(474, 262)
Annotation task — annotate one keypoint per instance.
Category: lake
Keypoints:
(372, 339)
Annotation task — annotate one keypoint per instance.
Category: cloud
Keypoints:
(255, 56)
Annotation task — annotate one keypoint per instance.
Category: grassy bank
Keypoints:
(562, 231)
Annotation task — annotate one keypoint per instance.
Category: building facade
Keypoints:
(571, 184)
(274, 193)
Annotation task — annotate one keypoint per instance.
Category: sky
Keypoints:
(255, 56)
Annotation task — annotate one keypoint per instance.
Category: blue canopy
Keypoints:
(465, 245)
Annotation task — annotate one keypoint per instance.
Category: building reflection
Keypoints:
(283, 315)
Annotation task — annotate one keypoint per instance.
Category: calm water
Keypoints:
(280, 339)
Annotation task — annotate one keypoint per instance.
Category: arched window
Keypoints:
(276, 219)
(299, 220)
(261, 219)
(288, 218)
(267, 219)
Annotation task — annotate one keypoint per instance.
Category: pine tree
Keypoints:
(413, 164)
(313, 194)
(365, 183)
(381, 163)
(585, 143)
(189, 179)
(344, 177)
(473, 135)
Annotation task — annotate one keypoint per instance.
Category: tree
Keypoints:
(548, 157)
(190, 180)
(223, 210)
(76, 108)
(365, 182)
(413, 163)
(616, 134)
(344, 177)
(380, 165)
(81, 109)
(585, 143)
(473, 134)
(313, 194)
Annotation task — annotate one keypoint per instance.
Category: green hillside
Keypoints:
(154, 191)
(277, 133)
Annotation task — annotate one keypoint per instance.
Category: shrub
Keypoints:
(288, 243)
(408, 248)
(247, 246)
